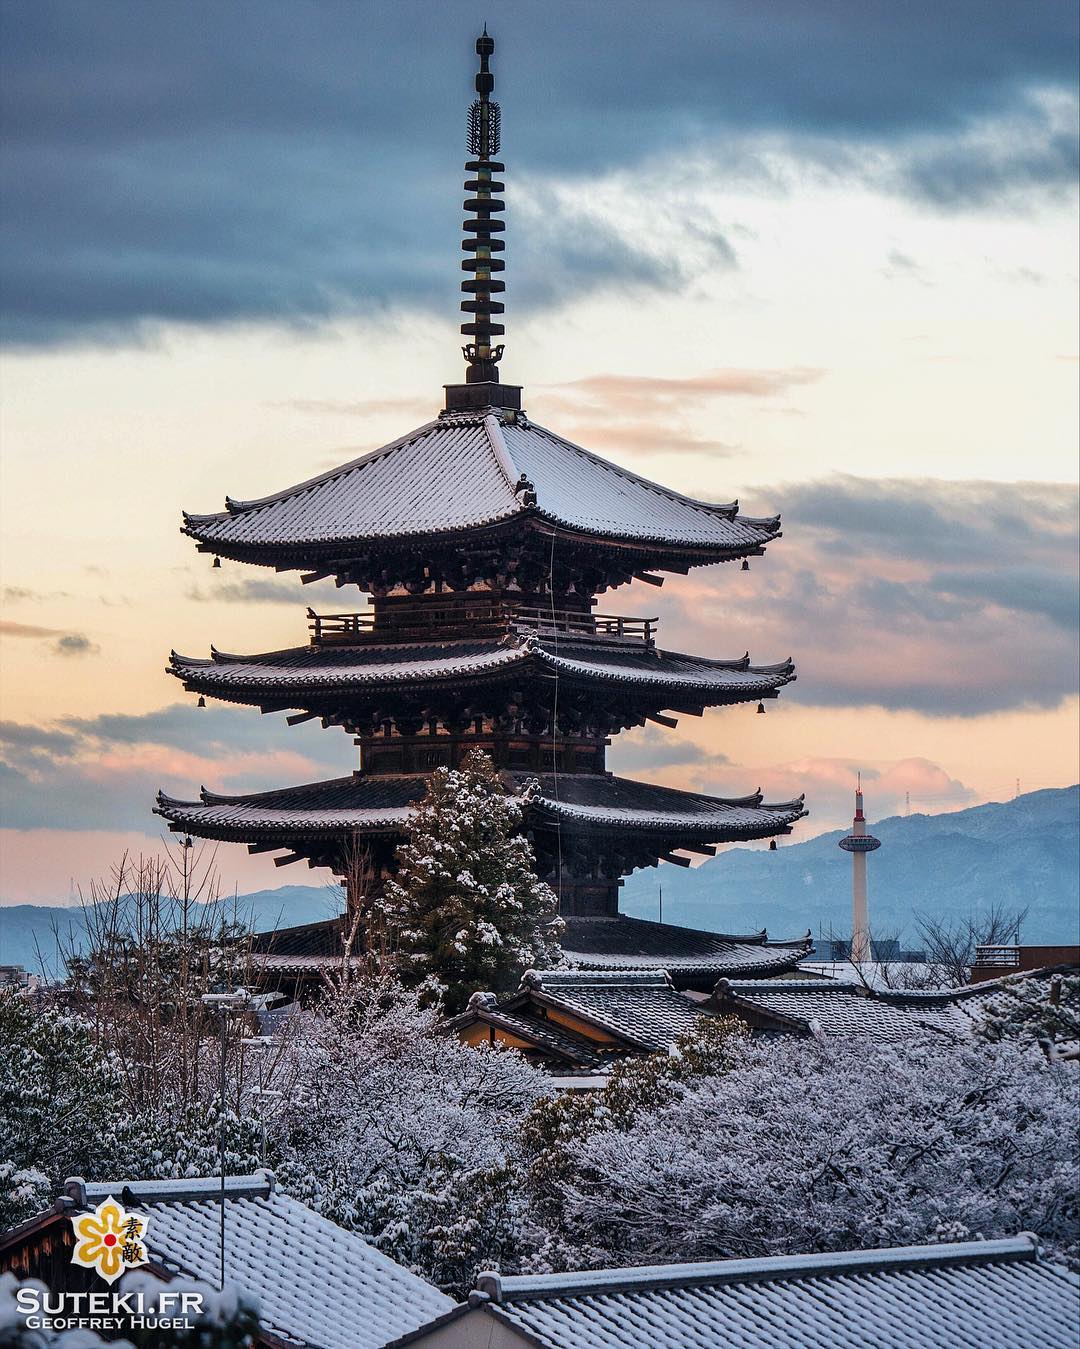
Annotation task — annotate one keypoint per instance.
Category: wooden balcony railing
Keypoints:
(1001, 957)
(591, 625)
(417, 622)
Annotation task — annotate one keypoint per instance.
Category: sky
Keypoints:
(817, 256)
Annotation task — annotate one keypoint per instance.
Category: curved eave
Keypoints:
(619, 805)
(712, 967)
(274, 814)
(258, 680)
(341, 807)
(336, 553)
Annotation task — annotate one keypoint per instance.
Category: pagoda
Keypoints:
(484, 541)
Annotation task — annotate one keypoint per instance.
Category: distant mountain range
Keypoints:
(1017, 853)
(36, 935)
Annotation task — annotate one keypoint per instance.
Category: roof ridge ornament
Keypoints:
(483, 225)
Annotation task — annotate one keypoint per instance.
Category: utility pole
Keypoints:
(238, 1000)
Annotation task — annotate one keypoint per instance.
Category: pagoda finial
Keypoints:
(484, 206)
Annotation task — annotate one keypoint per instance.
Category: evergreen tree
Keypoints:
(465, 912)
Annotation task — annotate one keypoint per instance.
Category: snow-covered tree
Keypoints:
(465, 911)
(806, 1145)
(555, 1128)
(65, 1110)
(406, 1135)
(58, 1097)
(1035, 1009)
(24, 1191)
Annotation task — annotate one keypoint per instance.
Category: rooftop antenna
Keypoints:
(483, 225)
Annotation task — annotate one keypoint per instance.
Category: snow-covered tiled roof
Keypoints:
(847, 1008)
(640, 1009)
(317, 1284)
(969, 1295)
(643, 1006)
(467, 471)
(320, 671)
(602, 800)
(548, 1036)
(338, 806)
(384, 803)
(624, 943)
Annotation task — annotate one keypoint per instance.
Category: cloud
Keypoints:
(637, 752)
(22, 737)
(10, 629)
(949, 599)
(75, 644)
(262, 590)
(829, 785)
(295, 168)
(103, 772)
(66, 643)
(644, 414)
(646, 437)
(603, 391)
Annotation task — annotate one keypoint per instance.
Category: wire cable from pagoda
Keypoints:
(554, 712)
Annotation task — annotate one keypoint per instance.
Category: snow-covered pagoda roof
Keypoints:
(371, 803)
(290, 676)
(474, 471)
(694, 959)
(605, 801)
(316, 1284)
(968, 1295)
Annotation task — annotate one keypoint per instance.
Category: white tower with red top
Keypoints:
(859, 843)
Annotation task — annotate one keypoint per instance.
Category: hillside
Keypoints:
(28, 932)
(1017, 853)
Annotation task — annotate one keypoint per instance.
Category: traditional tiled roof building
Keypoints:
(574, 1022)
(484, 541)
(964, 1295)
(316, 1284)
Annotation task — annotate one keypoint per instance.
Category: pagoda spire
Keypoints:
(482, 245)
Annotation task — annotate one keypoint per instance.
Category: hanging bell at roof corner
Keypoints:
(201, 702)
(216, 562)
(761, 709)
(746, 564)
(772, 845)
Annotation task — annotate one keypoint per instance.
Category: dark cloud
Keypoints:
(951, 599)
(209, 163)
(21, 737)
(104, 772)
(643, 750)
(75, 644)
(212, 732)
(1043, 591)
(930, 520)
